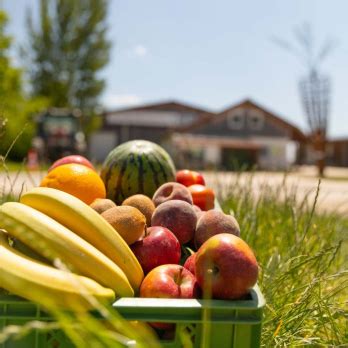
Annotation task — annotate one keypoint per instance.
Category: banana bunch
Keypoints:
(51, 287)
(91, 257)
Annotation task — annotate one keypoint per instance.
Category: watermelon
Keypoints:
(136, 166)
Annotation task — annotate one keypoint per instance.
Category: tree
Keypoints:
(16, 108)
(67, 50)
(314, 89)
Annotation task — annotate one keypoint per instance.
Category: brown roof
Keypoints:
(206, 117)
(296, 133)
(171, 105)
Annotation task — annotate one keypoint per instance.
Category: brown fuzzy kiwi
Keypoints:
(128, 221)
(102, 204)
(143, 203)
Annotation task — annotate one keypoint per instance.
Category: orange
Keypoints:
(76, 179)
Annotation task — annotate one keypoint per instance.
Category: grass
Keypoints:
(13, 166)
(303, 273)
(303, 261)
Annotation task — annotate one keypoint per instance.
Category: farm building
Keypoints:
(150, 122)
(244, 134)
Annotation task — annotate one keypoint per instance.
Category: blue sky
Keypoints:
(215, 53)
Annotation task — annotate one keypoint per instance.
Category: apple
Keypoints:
(225, 267)
(202, 196)
(159, 246)
(169, 281)
(189, 177)
(190, 263)
(72, 159)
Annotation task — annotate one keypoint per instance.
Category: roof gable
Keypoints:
(295, 132)
(171, 105)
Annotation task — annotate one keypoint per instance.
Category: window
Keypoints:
(236, 119)
(255, 120)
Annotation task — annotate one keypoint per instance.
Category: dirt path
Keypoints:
(333, 194)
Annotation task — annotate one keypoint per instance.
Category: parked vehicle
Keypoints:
(59, 133)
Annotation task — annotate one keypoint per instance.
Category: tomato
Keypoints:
(202, 196)
(189, 177)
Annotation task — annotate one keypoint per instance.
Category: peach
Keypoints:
(178, 216)
(213, 222)
(171, 191)
(198, 210)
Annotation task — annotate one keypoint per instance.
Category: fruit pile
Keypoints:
(138, 229)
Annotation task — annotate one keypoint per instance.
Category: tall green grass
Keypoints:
(303, 258)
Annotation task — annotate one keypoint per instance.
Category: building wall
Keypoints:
(274, 153)
(152, 125)
(100, 144)
(337, 153)
(150, 119)
(212, 156)
(271, 154)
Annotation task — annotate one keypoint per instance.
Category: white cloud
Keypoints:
(114, 100)
(140, 50)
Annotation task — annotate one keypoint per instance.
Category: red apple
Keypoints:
(226, 267)
(72, 159)
(169, 281)
(190, 263)
(202, 196)
(189, 177)
(158, 247)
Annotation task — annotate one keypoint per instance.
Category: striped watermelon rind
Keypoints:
(136, 166)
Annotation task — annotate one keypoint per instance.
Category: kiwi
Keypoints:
(102, 204)
(143, 203)
(128, 221)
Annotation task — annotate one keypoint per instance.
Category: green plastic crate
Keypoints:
(226, 324)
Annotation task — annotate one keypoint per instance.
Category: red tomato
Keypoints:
(202, 196)
(189, 177)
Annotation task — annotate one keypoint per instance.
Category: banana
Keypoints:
(24, 249)
(89, 225)
(45, 285)
(56, 242)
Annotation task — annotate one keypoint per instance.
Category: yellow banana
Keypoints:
(45, 285)
(26, 250)
(89, 225)
(56, 242)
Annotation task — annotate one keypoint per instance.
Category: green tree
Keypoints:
(16, 109)
(67, 50)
